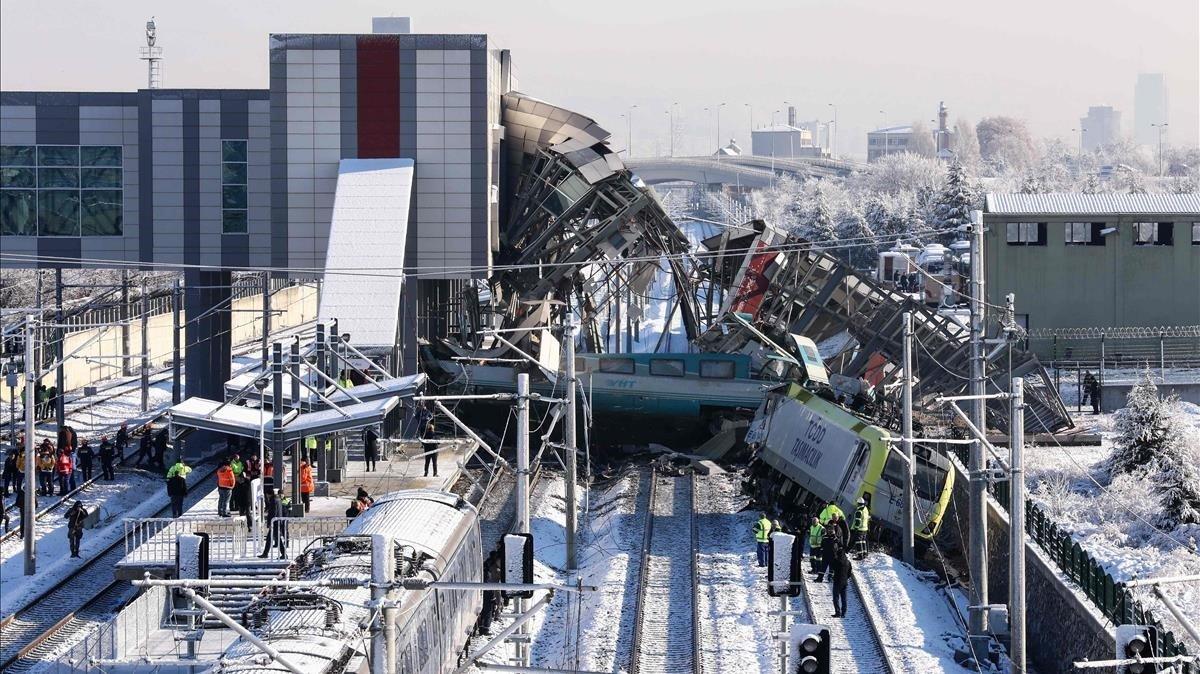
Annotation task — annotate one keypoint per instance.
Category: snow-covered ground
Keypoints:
(135, 494)
(1114, 522)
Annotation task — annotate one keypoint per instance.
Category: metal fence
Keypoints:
(1109, 596)
(113, 639)
(152, 540)
(298, 532)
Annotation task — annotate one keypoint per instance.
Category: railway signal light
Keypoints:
(518, 564)
(784, 566)
(808, 649)
(1135, 642)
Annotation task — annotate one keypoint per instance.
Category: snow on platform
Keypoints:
(920, 632)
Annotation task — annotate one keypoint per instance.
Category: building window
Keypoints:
(233, 187)
(1083, 233)
(1153, 233)
(1196, 233)
(60, 190)
(1025, 233)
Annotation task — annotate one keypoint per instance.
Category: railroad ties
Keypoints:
(664, 636)
(855, 643)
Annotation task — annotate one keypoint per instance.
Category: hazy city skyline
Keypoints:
(878, 63)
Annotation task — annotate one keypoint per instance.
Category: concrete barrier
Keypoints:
(1113, 396)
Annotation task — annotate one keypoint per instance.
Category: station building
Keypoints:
(1095, 260)
(219, 180)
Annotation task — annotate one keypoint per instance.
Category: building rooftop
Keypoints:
(779, 128)
(1093, 204)
(903, 128)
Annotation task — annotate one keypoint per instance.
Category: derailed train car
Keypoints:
(327, 630)
(810, 451)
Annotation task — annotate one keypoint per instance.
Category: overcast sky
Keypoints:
(1042, 60)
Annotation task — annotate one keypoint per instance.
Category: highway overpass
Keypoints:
(742, 170)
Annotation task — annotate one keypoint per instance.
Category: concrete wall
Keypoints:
(1117, 284)
(94, 362)
(1061, 625)
(1115, 396)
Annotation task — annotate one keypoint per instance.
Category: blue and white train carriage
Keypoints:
(324, 630)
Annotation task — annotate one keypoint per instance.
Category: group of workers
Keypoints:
(831, 542)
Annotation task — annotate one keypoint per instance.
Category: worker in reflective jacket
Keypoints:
(762, 535)
(307, 485)
(830, 510)
(859, 528)
(816, 535)
(225, 483)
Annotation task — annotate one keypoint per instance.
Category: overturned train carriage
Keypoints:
(811, 452)
(326, 630)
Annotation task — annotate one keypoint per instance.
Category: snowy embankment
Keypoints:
(919, 630)
(135, 494)
(1116, 522)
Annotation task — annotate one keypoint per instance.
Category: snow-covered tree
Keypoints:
(965, 143)
(1178, 478)
(1004, 142)
(1143, 429)
(921, 141)
(957, 198)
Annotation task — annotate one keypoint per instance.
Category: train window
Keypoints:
(716, 369)
(617, 365)
(929, 480)
(666, 367)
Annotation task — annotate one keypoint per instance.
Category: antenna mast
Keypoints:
(152, 55)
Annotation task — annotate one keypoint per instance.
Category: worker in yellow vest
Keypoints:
(816, 536)
(859, 528)
(762, 535)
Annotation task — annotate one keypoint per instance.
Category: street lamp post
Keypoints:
(835, 128)
(886, 149)
(719, 130)
(1160, 128)
(629, 132)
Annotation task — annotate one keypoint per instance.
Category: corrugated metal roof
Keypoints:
(1070, 203)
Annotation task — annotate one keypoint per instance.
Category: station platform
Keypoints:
(234, 541)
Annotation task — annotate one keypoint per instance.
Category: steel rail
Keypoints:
(643, 568)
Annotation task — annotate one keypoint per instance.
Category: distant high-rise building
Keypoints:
(1101, 127)
(1149, 107)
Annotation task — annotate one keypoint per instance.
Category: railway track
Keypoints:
(666, 621)
(856, 646)
(66, 610)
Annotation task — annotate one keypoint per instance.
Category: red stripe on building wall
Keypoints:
(378, 96)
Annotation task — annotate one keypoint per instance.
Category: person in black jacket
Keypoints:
(85, 456)
(10, 470)
(841, 580)
(273, 509)
(370, 447)
(75, 518)
(837, 537)
(108, 455)
(177, 489)
(160, 449)
(143, 453)
(122, 439)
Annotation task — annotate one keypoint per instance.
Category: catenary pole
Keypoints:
(1016, 513)
(266, 319)
(31, 378)
(383, 636)
(176, 334)
(126, 366)
(522, 491)
(977, 510)
(145, 348)
(907, 445)
(60, 336)
(570, 441)
(294, 369)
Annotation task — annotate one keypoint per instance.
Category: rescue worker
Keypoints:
(307, 485)
(122, 440)
(238, 497)
(177, 486)
(365, 498)
(160, 449)
(310, 448)
(829, 511)
(762, 535)
(107, 456)
(355, 508)
(45, 468)
(370, 447)
(841, 580)
(75, 518)
(86, 456)
(429, 446)
(144, 448)
(225, 484)
(1094, 394)
(816, 534)
(859, 528)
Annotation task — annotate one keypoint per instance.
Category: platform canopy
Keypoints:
(404, 387)
(212, 415)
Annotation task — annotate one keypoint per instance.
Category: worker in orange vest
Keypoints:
(307, 486)
(225, 483)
